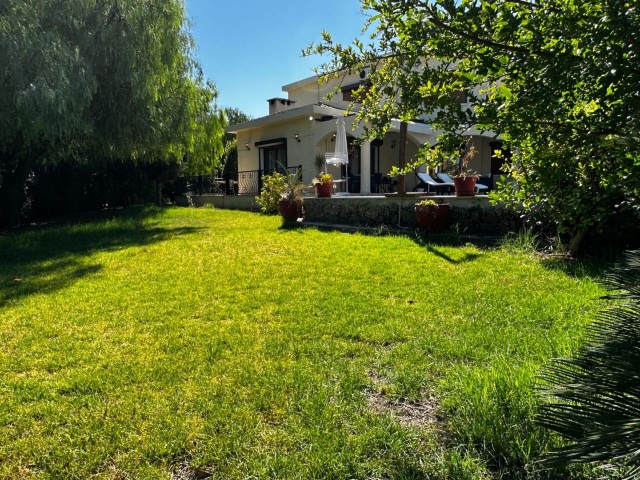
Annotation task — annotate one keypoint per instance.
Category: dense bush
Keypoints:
(273, 187)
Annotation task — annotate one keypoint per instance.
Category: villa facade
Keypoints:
(302, 125)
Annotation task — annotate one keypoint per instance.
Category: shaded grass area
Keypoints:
(203, 343)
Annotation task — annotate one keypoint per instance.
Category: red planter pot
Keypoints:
(324, 189)
(433, 218)
(465, 186)
(290, 210)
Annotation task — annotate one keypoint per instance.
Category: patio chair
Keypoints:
(376, 182)
(446, 178)
(427, 183)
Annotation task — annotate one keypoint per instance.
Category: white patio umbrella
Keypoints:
(341, 154)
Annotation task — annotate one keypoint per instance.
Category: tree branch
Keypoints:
(485, 41)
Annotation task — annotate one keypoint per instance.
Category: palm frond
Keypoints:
(595, 396)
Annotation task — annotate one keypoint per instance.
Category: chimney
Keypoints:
(277, 105)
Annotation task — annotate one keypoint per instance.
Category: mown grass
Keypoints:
(184, 343)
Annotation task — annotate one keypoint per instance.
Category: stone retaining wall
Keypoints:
(472, 215)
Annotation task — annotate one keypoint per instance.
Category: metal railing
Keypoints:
(250, 181)
(205, 184)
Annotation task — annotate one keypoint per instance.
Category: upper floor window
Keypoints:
(348, 91)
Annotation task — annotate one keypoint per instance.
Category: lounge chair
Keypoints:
(427, 183)
(446, 178)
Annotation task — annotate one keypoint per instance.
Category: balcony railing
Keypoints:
(250, 181)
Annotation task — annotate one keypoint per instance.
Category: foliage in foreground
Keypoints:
(181, 343)
(556, 79)
(279, 186)
(596, 394)
(273, 187)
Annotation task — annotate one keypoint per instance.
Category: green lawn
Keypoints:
(187, 343)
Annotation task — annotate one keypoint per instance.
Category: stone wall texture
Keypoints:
(470, 215)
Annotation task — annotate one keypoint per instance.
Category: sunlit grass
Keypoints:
(216, 343)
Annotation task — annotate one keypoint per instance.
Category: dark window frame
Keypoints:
(277, 164)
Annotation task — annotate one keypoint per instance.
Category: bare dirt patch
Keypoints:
(408, 413)
(183, 471)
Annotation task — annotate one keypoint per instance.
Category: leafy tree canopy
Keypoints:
(94, 80)
(559, 80)
(230, 155)
(234, 116)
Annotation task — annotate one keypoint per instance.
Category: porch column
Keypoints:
(365, 167)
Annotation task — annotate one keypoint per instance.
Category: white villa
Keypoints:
(303, 125)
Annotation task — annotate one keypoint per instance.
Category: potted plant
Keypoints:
(320, 162)
(323, 184)
(432, 216)
(465, 180)
(290, 203)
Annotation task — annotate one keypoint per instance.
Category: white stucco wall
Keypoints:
(298, 152)
(309, 91)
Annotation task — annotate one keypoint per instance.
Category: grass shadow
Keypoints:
(430, 241)
(46, 258)
(588, 267)
(53, 277)
(467, 257)
(288, 225)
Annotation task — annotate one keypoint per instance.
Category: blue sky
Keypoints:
(251, 48)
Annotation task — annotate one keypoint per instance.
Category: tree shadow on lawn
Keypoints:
(467, 257)
(430, 242)
(433, 241)
(594, 268)
(43, 260)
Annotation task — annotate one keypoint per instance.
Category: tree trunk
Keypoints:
(159, 193)
(576, 241)
(402, 158)
(12, 193)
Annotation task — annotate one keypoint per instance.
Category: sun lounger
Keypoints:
(428, 184)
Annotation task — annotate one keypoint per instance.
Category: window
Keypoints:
(273, 155)
(348, 91)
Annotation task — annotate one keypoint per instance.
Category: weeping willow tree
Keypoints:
(596, 395)
(96, 81)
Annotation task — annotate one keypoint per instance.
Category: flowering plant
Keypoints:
(322, 178)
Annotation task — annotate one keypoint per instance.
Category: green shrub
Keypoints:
(273, 187)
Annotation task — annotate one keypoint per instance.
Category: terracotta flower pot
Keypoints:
(324, 189)
(432, 218)
(465, 186)
(290, 210)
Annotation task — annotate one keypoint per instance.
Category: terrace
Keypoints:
(472, 215)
